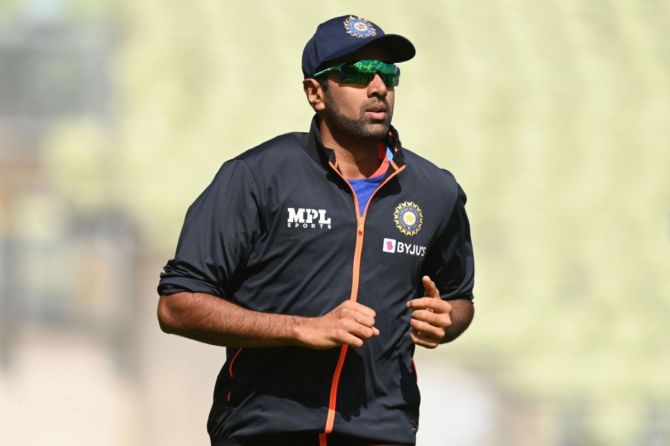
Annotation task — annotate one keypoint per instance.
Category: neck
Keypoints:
(356, 157)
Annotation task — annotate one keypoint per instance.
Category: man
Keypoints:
(320, 260)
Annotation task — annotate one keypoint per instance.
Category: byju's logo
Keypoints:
(393, 246)
(307, 218)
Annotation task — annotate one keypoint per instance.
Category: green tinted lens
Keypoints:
(355, 77)
(363, 71)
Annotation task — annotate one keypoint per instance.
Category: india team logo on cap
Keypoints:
(408, 218)
(359, 27)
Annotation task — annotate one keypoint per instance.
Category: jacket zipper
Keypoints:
(358, 250)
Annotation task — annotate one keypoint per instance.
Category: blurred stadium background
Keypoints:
(553, 114)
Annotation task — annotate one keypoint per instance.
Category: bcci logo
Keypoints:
(408, 218)
(358, 27)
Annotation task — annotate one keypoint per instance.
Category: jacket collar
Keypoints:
(321, 154)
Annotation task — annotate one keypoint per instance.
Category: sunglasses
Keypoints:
(363, 71)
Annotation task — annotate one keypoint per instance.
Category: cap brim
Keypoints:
(399, 49)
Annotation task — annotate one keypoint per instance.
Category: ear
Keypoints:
(314, 94)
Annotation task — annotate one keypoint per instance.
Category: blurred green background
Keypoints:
(553, 114)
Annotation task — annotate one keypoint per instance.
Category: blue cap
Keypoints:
(344, 35)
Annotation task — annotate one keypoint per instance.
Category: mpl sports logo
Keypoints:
(393, 246)
(304, 218)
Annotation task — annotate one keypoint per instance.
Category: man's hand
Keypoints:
(216, 321)
(431, 316)
(350, 323)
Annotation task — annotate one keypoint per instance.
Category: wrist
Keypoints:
(299, 328)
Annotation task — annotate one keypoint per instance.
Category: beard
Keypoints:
(362, 127)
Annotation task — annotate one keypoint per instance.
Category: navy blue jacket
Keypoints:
(278, 230)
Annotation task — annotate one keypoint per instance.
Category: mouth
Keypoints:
(376, 108)
(377, 111)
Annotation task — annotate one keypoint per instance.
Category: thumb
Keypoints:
(430, 288)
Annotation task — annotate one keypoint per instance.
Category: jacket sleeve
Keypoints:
(219, 232)
(451, 264)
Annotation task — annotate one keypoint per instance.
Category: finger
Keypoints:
(420, 303)
(357, 312)
(364, 319)
(363, 309)
(418, 340)
(353, 336)
(427, 331)
(430, 303)
(358, 319)
(429, 287)
(433, 318)
(350, 340)
(361, 331)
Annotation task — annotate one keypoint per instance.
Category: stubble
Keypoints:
(362, 127)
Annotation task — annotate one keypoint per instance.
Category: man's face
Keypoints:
(359, 111)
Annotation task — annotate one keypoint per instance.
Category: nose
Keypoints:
(377, 87)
